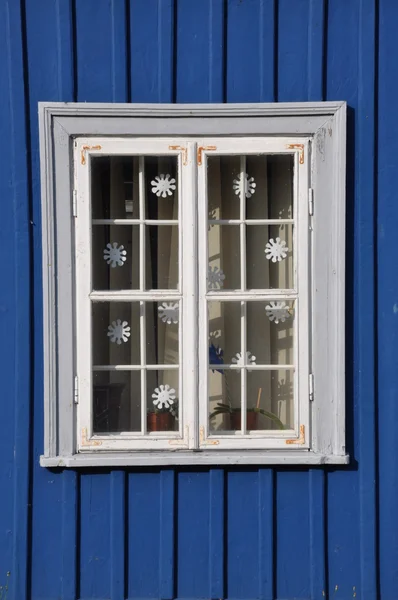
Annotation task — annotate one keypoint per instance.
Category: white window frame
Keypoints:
(315, 134)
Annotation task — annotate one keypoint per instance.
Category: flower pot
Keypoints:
(251, 420)
(160, 422)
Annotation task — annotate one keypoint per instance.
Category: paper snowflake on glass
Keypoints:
(215, 278)
(164, 396)
(277, 311)
(276, 250)
(115, 255)
(249, 185)
(119, 331)
(168, 312)
(239, 361)
(163, 185)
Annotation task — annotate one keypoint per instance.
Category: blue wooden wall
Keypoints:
(203, 533)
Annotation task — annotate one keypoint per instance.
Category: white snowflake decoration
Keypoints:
(169, 312)
(249, 185)
(119, 331)
(215, 278)
(164, 396)
(115, 255)
(277, 311)
(239, 361)
(163, 185)
(276, 250)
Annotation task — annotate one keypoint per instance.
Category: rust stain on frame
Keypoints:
(207, 442)
(200, 152)
(298, 147)
(184, 152)
(84, 150)
(301, 439)
(86, 442)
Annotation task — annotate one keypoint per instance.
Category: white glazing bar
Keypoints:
(141, 188)
(257, 295)
(130, 295)
(135, 222)
(134, 367)
(234, 367)
(251, 222)
(143, 364)
(243, 316)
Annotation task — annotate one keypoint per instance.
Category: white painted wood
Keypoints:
(326, 122)
(232, 457)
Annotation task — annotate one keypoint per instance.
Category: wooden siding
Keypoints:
(242, 533)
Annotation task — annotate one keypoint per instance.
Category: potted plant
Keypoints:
(164, 414)
(235, 415)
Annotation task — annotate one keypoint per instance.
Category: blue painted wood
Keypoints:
(199, 44)
(152, 50)
(216, 533)
(117, 534)
(50, 76)
(387, 299)
(166, 534)
(250, 51)
(15, 297)
(143, 535)
(238, 533)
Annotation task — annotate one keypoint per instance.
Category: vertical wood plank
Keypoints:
(69, 534)
(250, 51)
(199, 45)
(152, 50)
(387, 298)
(316, 43)
(15, 298)
(101, 51)
(166, 534)
(117, 534)
(317, 523)
(50, 76)
(365, 294)
(266, 533)
(193, 534)
(216, 534)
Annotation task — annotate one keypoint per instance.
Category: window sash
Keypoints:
(193, 372)
(299, 435)
(86, 439)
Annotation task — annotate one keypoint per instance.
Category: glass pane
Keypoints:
(224, 388)
(116, 333)
(114, 187)
(272, 196)
(161, 189)
(115, 257)
(224, 257)
(162, 400)
(223, 198)
(161, 257)
(270, 399)
(269, 256)
(270, 331)
(162, 325)
(116, 401)
(224, 332)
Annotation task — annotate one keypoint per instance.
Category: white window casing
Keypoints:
(313, 134)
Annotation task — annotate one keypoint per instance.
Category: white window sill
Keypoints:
(142, 459)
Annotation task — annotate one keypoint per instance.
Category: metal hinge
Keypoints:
(76, 390)
(74, 203)
(311, 386)
(311, 201)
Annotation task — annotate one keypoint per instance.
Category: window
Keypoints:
(193, 284)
